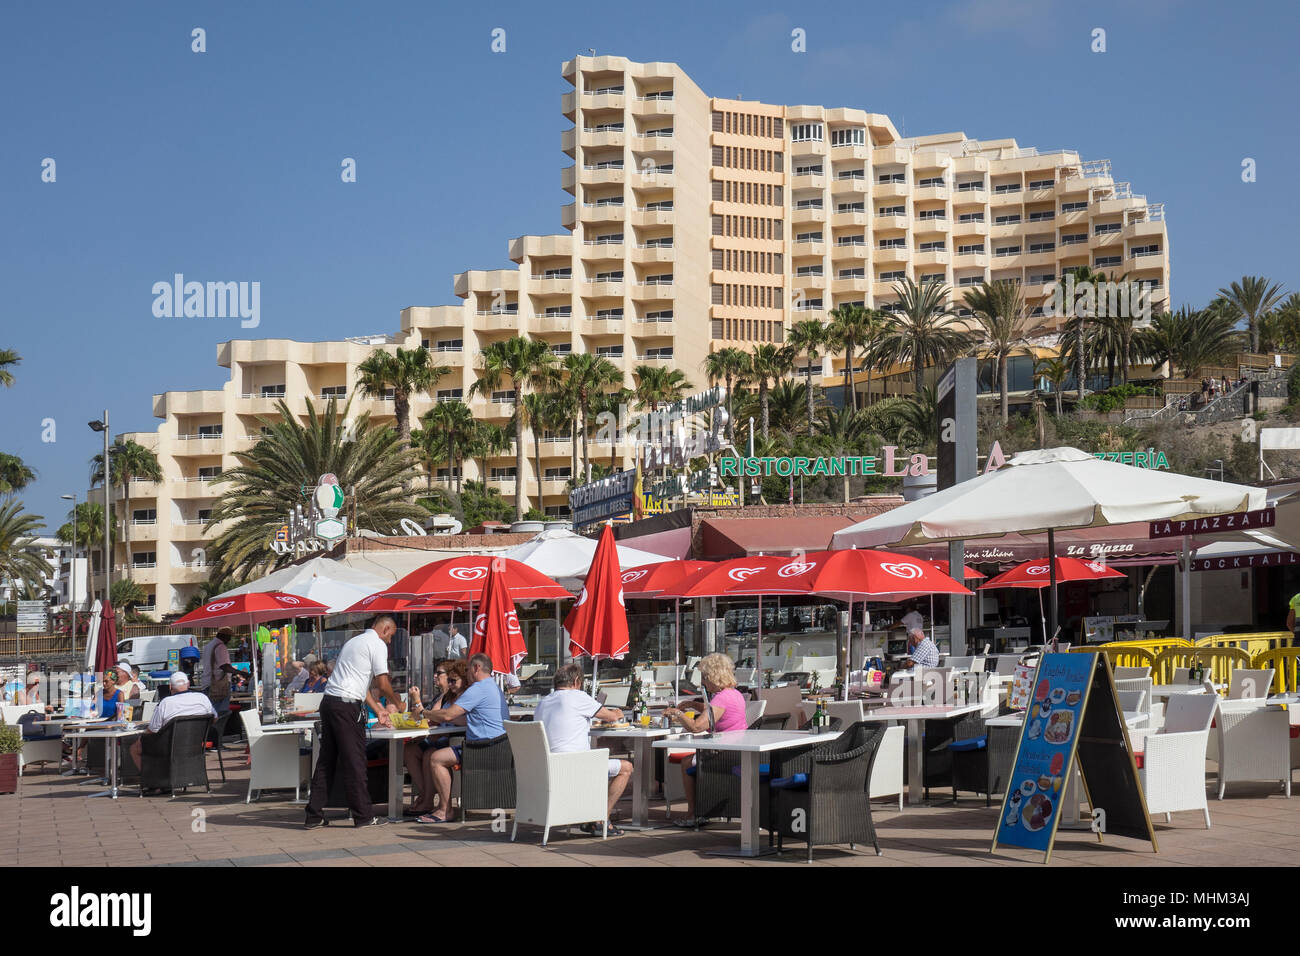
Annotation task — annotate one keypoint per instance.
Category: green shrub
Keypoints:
(11, 739)
(1293, 384)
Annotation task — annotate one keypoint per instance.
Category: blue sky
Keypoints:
(225, 165)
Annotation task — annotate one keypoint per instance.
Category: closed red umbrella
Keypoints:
(1037, 574)
(597, 623)
(106, 646)
(496, 628)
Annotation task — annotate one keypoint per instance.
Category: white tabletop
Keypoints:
(636, 731)
(752, 741)
(108, 733)
(913, 713)
(288, 725)
(391, 733)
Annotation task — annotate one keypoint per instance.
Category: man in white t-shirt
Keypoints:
(359, 670)
(181, 702)
(566, 713)
(457, 646)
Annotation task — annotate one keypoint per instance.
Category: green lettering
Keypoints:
(1162, 461)
(727, 467)
(836, 466)
(784, 466)
(869, 465)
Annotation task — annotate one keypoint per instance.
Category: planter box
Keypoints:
(8, 773)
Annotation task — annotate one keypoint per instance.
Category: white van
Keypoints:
(150, 651)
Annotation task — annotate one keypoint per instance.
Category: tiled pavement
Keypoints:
(52, 821)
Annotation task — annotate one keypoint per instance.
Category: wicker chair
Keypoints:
(487, 775)
(174, 758)
(1254, 744)
(215, 736)
(832, 806)
(717, 775)
(983, 769)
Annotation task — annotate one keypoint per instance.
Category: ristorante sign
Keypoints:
(890, 465)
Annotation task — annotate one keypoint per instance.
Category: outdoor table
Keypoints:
(1131, 718)
(396, 740)
(916, 717)
(750, 744)
(641, 739)
(110, 738)
(1166, 691)
(522, 713)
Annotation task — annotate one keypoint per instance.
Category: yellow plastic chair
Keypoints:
(1254, 643)
(1285, 662)
(1220, 662)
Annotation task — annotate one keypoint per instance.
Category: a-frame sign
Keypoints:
(1073, 715)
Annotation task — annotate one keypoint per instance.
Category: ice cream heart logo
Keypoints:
(796, 568)
(467, 574)
(741, 575)
(582, 598)
(512, 622)
(1036, 569)
(637, 575)
(909, 571)
(219, 606)
(1097, 566)
(287, 599)
(480, 625)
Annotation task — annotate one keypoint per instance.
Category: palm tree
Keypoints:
(407, 372)
(999, 308)
(14, 474)
(586, 377)
(1077, 327)
(18, 561)
(8, 359)
(525, 362)
(854, 327)
(808, 338)
(657, 385)
(126, 594)
(127, 462)
(1253, 297)
(454, 423)
(1056, 372)
(768, 363)
(730, 365)
(613, 404)
(787, 400)
(924, 330)
(1280, 329)
(486, 441)
(429, 446)
(1188, 339)
(372, 467)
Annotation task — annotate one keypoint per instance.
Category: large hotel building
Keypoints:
(697, 223)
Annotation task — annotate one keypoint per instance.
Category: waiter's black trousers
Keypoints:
(342, 749)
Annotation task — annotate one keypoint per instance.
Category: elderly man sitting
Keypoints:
(921, 650)
(182, 702)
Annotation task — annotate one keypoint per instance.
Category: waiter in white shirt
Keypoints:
(363, 662)
(457, 646)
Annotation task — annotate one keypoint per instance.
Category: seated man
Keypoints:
(181, 702)
(922, 652)
(566, 713)
(485, 710)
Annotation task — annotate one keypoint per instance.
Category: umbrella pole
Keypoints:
(1051, 567)
(758, 652)
(558, 657)
(252, 656)
(1042, 614)
(677, 653)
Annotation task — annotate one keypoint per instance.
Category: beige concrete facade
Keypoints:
(696, 222)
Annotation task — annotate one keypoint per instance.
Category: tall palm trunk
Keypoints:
(731, 419)
(848, 371)
(537, 454)
(519, 455)
(1057, 392)
(762, 400)
(918, 376)
(810, 397)
(402, 409)
(586, 459)
(453, 476)
(1079, 360)
(1002, 381)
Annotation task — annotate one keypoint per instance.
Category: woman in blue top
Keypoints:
(110, 698)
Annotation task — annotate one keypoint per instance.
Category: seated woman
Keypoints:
(452, 677)
(728, 706)
(316, 680)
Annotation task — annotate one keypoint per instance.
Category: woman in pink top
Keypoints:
(719, 677)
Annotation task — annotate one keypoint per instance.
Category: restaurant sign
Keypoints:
(891, 465)
(319, 527)
(1270, 559)
(1239, 521)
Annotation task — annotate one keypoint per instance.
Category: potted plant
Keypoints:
(11, 743)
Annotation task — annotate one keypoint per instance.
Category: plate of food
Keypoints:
(1037, 811)
(1057, 696)
(1072, 698)
(1058, 727)
(610, 725)
(1035, 729)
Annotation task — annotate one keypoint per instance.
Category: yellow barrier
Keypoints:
(1120, 655)
(1219, 661)
(1254, 643)
(1286, 662)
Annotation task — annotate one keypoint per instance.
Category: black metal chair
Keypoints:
(175, 758)
(487, 775)
(215, 736)
(831, 803)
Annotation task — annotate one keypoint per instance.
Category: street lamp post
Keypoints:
(102, 426)
(72, 573)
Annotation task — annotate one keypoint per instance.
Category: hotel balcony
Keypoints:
(937, 257)
(187, 445)
(540, 285)
(652, 291)
(653, 179)
(489, 281)
(857, 252)
(1010, 230)
(190, 572)
(603, 139)
(971, 228)
(891, 190)
(1147, 229)
(140, 530)
(496, 321)
(601, 176)
(808, 215)
(970, 259)
(884, 291)
(651, 217)
(851, 151)
(1038, 260)
(851, 218)
(653, 105)
(653, 144)
(850, 187)
(892, 254)
(551, 323)
(855, 284)
(608, 289)
(808, 282)
(923, 226)
(194, 488)
(609, 212)
(142, 574)
(886, 223)
(604, 101)
(185, 531)
(1014, 197)
(590, 326)
(595, 249)
(540, 247)
(652, 254)
(799, 250)
(891, 156)
(817, 181)
(920, 193)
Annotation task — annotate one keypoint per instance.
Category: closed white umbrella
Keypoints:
(1048, 490)
(322, 580)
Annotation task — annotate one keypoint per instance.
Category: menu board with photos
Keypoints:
(1066, 687)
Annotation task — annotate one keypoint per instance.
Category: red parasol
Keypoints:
(967, 571)
(106, 645)
(496, 628)
(386, 603)
(1036, 574)
(463, 579)
(251, 609)
(740, 577)
(648, 580)
(597, 624)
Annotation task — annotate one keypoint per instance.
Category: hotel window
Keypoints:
(892, 244)
(1074, 206)
(971, 217)
(892, 211)
(557, 511)
(1007, 188)
(663, 352)
(809, 304)
(814, 170)
(1010, 220)
(973, 186)
(561, 348)
(451, 345)
(852, 241)
(893, 276)
(209, 471)
(566, 272)
(858, 273)
(334, 391)
(502, 474)
(503, 396)
(424, 343)
(1041, 246)
(211, 431)
(937, 245)
(663, 315)
(1074, 238)
(932, 277)
(1102, 261)
(930, 181)
(971, 250)
(809, 204)
(144, 559)
(450, 394)
(806, 132)
(1042, 184)
(970, 280)
(608, 314)
(1136, 252)
(558, 474)
(1007, 251)
(892, 178)
(929, 214)
(559, 311)
(808, 237)
(1042, 216)
(809, 271)
(851, 207)
(849, 137)
(1043, 279)
(1106, 228)
(609, 351)
(273, 391)
(144, 515)
(446, 474)
(614, 276)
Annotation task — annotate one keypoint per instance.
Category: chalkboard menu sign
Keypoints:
(1073, 714)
